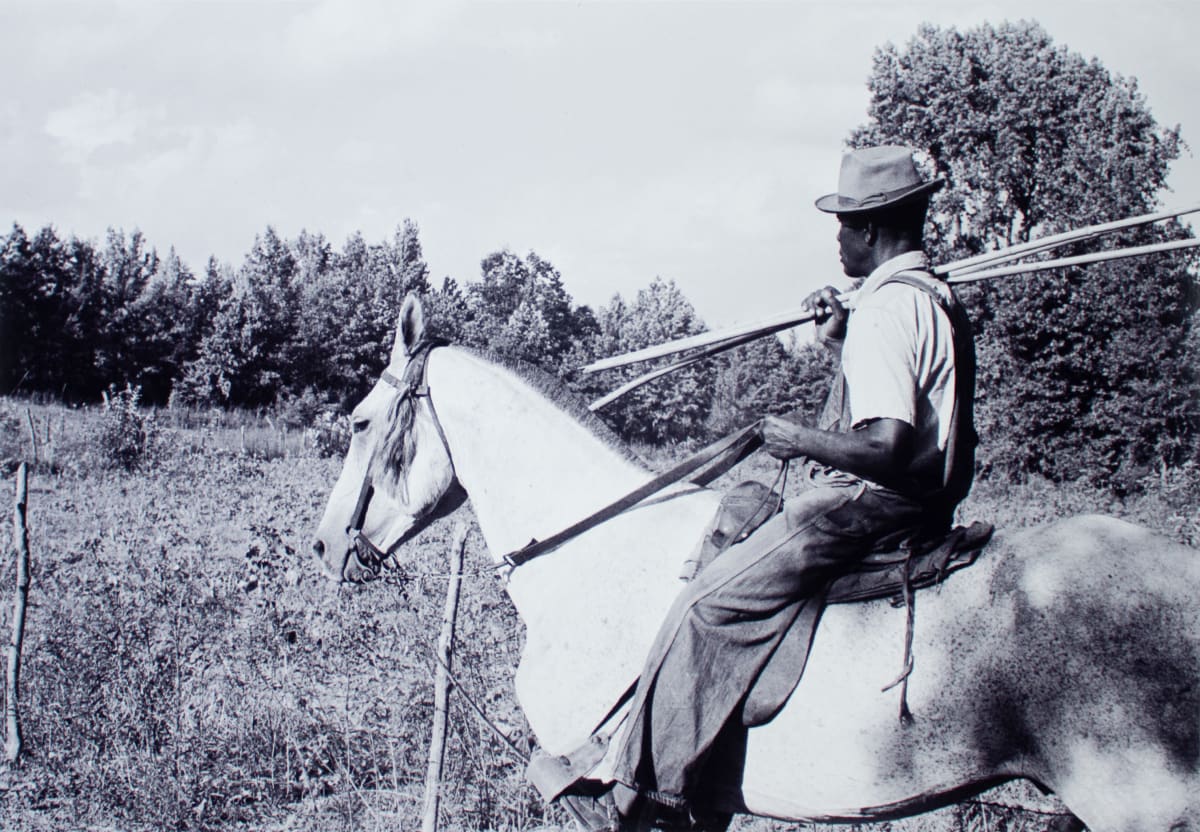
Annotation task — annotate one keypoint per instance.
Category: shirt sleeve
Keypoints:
(879, 362)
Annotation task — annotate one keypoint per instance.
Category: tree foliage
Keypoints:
(669, 409)
(521, 309)
(302, 325)
(1083, 372)
(763, 377)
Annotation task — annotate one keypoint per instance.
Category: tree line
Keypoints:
(1086, 372)
(305, 325)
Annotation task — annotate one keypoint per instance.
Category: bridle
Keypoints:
(700, 468)
(413, 386)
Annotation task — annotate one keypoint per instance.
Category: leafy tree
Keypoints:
(254, 343)
(162, 329)
(29, 302)
(300, 319)
(127, 265)
(353, 305)
(209, 378)
(1035, 139)
(765, 377)
(517, 299)
(84, 322)
(669, 409)
(54, 315)
(404, 261)
(525, 336)
(338, 306)
(447, 312)
(316, 264)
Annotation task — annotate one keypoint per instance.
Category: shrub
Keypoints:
(12, 443)
(299, 411)
(330, 434)
(123, 436)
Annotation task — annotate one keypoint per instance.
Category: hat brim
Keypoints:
(838, 204)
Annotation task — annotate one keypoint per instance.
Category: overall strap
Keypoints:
(959, 462)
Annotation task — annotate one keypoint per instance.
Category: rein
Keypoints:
(719, 457)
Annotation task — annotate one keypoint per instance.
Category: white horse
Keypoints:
(1068, 655)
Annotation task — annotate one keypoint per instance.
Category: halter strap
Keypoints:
(414, 385)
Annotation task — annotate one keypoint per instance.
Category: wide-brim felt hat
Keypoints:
(877, 177)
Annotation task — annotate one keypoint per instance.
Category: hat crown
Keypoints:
(873, 171)
(876, 177)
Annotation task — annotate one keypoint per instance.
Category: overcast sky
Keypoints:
(621, 141)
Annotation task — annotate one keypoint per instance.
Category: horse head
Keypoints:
(398, 474)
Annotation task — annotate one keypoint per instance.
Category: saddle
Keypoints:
(899, 564)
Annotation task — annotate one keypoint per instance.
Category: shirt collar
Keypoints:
(901, 262)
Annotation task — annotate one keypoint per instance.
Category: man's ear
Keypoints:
(871, 232)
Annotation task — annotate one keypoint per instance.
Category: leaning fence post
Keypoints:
(441, 682)
(12, 738)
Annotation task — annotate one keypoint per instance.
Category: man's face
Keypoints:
(852, 240)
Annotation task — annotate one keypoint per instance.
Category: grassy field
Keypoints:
(188, 667)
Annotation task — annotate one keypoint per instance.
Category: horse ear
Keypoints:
(410, 329)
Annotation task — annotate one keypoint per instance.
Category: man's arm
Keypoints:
(879, 451)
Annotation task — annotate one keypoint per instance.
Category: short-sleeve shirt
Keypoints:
(898, 355)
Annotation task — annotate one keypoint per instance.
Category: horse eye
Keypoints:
(359, 425)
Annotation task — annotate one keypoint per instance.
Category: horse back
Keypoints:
(1063, 645)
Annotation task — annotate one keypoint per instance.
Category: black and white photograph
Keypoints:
(599, 416)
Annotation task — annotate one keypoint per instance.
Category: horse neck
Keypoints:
(591, 607)
(530, 469)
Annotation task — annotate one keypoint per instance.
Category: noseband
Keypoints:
(368, 557)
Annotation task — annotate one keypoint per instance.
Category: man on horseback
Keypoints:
(891, 458)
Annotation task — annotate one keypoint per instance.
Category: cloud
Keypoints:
(336, 33)
(95, 120)
(807, 108)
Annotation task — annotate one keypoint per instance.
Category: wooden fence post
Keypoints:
(33, 440)
(12, 738)
(441, 682)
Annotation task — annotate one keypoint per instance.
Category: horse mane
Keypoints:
(557, 391)
(395, 453)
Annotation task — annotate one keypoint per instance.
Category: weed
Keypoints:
(13, 447)
(123, 438)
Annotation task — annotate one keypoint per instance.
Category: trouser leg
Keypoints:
(719, 635)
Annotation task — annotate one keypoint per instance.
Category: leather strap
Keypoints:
(706, 465)
(958, 466)
(410, 386)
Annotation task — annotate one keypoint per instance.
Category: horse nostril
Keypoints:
(319, 549)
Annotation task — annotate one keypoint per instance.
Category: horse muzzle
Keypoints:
(361, 561)
(364, 560)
